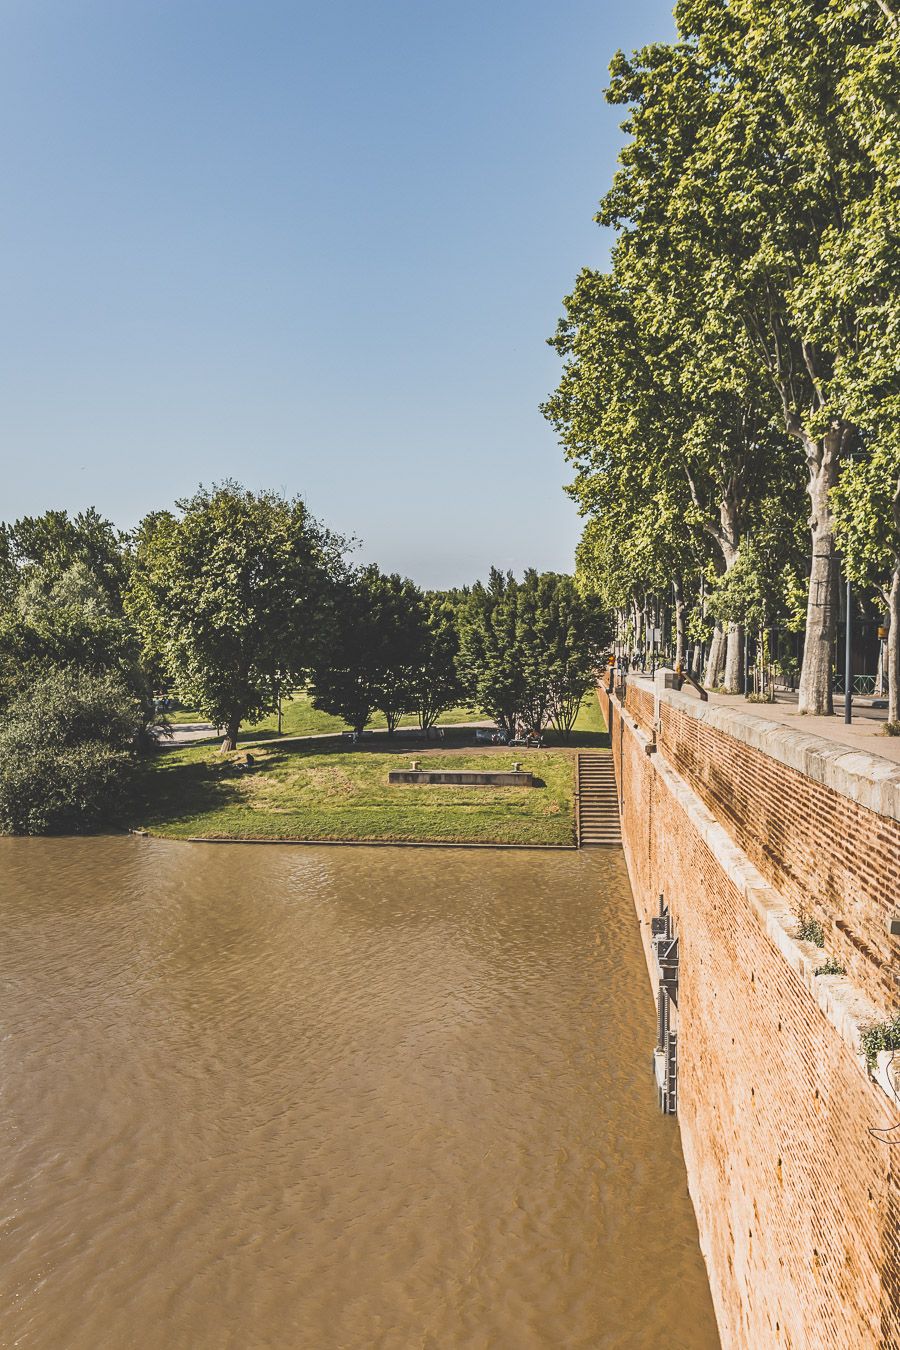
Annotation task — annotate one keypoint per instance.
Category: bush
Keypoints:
(67, 752)
(882, 1036)
(810, 930)
(831, 966)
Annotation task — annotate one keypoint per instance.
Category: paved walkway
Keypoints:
(183, 733)
(865, 732)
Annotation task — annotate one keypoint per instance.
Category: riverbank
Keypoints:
(323, 789)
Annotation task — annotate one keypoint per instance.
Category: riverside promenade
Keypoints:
(865, 732)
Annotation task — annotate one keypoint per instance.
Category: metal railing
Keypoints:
(861, 684)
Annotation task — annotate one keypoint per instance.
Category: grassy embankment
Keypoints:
(326, 790)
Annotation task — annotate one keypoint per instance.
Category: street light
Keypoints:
(848, 693)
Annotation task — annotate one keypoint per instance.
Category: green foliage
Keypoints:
(810, 930)
(754, 282)
(435, 682)
(54, 542)
(62, 600)
(67, 751)
(866, 521)
(882, 1036)
(229, 595)
(528, 650)
(831, 967)
(575, 633)
(375, 651)
(761, 584)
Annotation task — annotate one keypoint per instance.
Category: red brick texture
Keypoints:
(831, 859)
(797, 1203)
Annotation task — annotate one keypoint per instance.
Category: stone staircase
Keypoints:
(598, 803)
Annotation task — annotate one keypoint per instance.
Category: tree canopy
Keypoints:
(230, 594)
(742, 351)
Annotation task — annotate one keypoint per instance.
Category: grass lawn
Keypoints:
(300, 718)
(326, 790)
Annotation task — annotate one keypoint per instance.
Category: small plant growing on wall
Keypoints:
(810, 930)
(881, 1036)
(831, 967)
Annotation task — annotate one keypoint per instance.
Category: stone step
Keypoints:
(598, 802)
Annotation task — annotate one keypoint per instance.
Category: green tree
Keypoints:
(664, 413)
(435, 685)
(528, 649)
(61, 601)
(67, 753)
(54, 542)
(867, 523)
(373, 656)
(743, 171)
(488, 662)
(575, 633)
(230, 594)
(860, 268)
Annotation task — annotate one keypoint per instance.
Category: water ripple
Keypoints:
(334, 1099)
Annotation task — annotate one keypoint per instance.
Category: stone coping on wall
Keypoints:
(844, 1005)
(868, 780)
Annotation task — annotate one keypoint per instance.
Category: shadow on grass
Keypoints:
(182, 790)
(578, 740)
(403, 742)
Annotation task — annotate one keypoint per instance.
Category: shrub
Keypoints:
(810, 930)
(67, 750)
(892, 728)
(831, 966)
(882, 1036)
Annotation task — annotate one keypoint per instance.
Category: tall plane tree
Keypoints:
(742, 169)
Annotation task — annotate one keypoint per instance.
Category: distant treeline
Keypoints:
(231, 601)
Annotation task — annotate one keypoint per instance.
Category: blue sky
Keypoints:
(315, 247)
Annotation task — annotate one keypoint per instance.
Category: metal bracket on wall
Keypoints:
(665, 1055)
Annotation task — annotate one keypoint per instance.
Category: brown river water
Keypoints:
(333, 1099)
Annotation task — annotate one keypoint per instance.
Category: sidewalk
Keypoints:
(864, 733)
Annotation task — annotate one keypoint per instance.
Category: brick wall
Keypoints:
(831, 858)
(797, 1204)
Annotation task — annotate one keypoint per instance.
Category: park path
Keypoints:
(184, 733)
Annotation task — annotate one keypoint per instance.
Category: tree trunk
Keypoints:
(725, 654)
(881, 669)
(697, 660)
(716, 660)
(680, 608)
(734, 659)
(822, 459)
(893, 647)
(232, 727)
(893, 640)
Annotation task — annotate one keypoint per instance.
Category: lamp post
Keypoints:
(848, 692)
